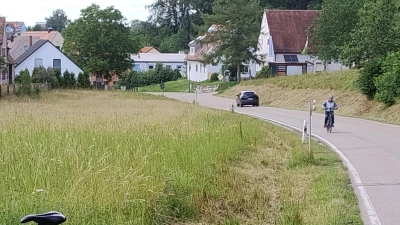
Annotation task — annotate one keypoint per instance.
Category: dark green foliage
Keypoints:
(100, 42)
(263, 73)
(25, 83)
(69, 79)
(237, 32)
(141, 79)
(376, 34)
(365, 81)
(43, 75)
(58, 20)
(60, 79)
(214, 77)
(388, 84)
(330, 32)
(83, 80)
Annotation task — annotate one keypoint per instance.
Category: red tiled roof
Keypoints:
(17, 46)
(44, 35)
(146, 49)
(203, 49)
(288, 29)
(16, 25)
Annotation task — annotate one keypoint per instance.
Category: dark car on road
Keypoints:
(247, 98)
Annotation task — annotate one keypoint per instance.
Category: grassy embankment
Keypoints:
(182, 85)
(295, 91)
(127, 158)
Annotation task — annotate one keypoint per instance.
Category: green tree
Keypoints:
(43, 75)
(236, 33)
(37, 27)
(330, 31)
(100, 41)
(58, 20)
(376, 33)
(25, 81)
(83, 80)
(387, 85)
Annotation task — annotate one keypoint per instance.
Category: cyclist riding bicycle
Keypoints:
(329, 106)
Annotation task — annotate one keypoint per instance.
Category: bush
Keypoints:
(263, 73)
(365, 81)
(214, 77)
(25, 81)
(83, 80)
(69, 79)
(43, 75)
(387, 85)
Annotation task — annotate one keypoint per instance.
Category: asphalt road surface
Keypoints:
(370, 150)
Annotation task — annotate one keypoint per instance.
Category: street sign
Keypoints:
(220, 77)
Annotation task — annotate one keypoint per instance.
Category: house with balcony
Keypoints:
(196, 71)
(284, 42)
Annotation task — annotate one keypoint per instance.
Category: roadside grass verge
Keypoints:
(129, 158)
(294, 92)
(182, 85)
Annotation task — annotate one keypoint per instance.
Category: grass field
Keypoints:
(182, 85)
(128, 158)
(293, 92)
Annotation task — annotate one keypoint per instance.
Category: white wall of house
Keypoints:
(45, 56)
(198, 72)
(263, 40)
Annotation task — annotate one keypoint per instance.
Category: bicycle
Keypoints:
(329, 123)
(48, 218)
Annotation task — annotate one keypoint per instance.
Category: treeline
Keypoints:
(173, 24)
(160, 73)
(363, 34)
(28, 84)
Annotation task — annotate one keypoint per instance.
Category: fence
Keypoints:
(10, 89)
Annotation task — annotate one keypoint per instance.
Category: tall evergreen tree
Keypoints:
(237, 32)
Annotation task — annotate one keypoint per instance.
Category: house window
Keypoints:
(196, 68)
(290, 58)
(192, 50)
(245, 69)
(57, 63)
(38, 62)
(151, 67)
(201, 68)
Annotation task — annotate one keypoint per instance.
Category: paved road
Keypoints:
(370, 150)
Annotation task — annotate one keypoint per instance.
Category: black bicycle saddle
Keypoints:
(49, 218)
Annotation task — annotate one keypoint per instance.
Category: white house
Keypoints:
(284, 42)
(46, 54)
(148, 61)
(196, 71)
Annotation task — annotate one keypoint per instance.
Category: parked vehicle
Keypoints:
(247, 98)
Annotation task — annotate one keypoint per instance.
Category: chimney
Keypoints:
(50, 29)
(30, 41)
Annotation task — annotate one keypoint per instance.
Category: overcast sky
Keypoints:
(30, 11)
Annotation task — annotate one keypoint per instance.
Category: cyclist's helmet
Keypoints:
(331, 96)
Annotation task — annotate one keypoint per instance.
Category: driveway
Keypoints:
(370, 150)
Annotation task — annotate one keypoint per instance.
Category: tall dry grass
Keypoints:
(127, 158)
(294, 92)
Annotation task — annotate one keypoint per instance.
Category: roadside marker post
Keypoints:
(311, 106)
(304, 136)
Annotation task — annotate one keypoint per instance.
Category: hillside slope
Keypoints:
(295, 91)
